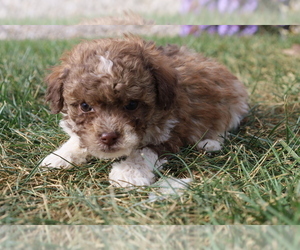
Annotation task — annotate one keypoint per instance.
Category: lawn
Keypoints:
(254, 180)
(266, 16)
(267, 13)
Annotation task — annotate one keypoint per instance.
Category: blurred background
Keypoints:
(174, 17)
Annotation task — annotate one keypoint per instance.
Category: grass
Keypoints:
(254, 180)
(43, 21)
(267, 15)
(261, 16)
(150, 237)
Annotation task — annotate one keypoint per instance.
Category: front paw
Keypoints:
(123, 175)
(69, 153)
(55, 161)
(136, 170)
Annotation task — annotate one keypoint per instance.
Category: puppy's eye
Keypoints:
(85, 107)
(132, 105)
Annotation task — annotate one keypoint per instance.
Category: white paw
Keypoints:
(123, 175)
(210, 145)
(70, 152)
(136, 170)
(54, 161)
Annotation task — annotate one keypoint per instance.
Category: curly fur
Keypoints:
(153, 99)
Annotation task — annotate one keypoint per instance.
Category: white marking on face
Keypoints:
(105, 66)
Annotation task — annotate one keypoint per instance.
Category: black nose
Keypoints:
(109, 139)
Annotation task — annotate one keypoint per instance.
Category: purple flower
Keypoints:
(249, 30)
(211, 29)
(222, 6)
(186, 6)
(185, 30)
(208, 4)
(228, 30)
(222, 30)
(228, 6)
(249, 6)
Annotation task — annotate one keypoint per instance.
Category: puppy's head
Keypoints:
(116, 94)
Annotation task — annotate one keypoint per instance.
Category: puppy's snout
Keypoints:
(109, 139)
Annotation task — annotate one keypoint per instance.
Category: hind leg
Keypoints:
(212, 142)
(210, 145)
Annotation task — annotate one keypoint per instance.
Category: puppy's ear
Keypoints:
(164, 75)
(55, 82)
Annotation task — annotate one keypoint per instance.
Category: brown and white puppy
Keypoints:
(128, 97)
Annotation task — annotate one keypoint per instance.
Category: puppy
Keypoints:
(127, 97)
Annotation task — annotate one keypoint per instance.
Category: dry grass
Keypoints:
(253, 180)
(150, 237)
